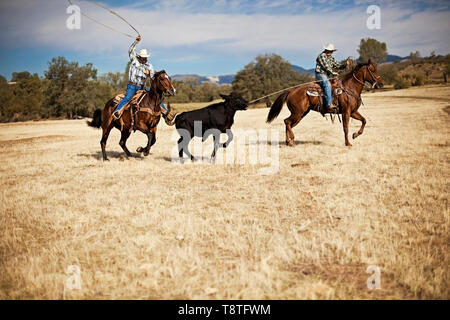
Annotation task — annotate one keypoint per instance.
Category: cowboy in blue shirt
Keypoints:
(140, 69)
(325, 66)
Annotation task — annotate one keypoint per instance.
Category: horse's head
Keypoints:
(163, 83)
(235, 101)
(372, 76)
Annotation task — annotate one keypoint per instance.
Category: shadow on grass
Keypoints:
(111, 154)
(185, 160)
(283, 144)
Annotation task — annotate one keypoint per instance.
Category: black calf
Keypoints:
(214, 119)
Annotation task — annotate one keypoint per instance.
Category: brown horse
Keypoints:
(299, 103)
(146, 117)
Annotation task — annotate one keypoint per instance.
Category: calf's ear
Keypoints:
(224, 97)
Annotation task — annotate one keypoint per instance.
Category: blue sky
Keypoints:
(213, 37)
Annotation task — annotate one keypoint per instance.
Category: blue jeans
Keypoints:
(131, 91)
(326, 86)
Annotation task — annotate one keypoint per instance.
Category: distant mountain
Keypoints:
(391, 58)
(219, 80)
(302, 70)
(228, 79)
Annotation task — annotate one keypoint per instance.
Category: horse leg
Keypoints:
(356, 115)
(123, 140)
(289, 134)
(345, 121)
(150, 138)
(105, 135)
(151, 135)
(154, 137)
(291, 122)
(148, 132)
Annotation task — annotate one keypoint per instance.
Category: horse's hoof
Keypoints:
(106, 159)
(355, 135)
(146, 153)
(140, 150)
(348, 145)
(290, 143)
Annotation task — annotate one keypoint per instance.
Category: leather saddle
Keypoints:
(137, 98)
(315, 89)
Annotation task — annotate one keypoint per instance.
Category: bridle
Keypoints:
(159, 81)
(364, 80)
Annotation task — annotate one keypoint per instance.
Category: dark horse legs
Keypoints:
(151, 135)
(105, 135)
(123, 140)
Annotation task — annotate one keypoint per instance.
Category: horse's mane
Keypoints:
(355, 69)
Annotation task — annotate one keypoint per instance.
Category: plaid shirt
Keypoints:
(137, 69)
(326, 64)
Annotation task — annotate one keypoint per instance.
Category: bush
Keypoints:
(388, 73)
(419, 81)
(400, 84)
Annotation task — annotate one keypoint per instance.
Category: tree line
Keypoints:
(70, 90)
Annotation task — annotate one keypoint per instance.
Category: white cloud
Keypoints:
(42, 24)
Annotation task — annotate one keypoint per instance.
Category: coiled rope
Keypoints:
(112, 12)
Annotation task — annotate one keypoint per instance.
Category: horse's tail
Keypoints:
(96, 119)
(276, 106)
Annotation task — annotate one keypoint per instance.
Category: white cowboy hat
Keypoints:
(143, 53)
(329, 47)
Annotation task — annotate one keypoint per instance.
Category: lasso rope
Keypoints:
(106, 26)
(296, 86)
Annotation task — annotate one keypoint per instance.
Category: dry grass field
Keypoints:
(149, 228)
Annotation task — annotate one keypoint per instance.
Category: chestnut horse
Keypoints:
(146, 119)
(299, 103)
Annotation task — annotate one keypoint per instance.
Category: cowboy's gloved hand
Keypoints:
(138, 38)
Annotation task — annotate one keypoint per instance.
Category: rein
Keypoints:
(363, 82)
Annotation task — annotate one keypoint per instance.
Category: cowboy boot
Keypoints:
(169, 117)
(333, 108)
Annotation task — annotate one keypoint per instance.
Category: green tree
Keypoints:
(24, 75)
(266, 74)
(414, 57)
(22, 99)
(69, 89)
(372, 48)
(114, 79)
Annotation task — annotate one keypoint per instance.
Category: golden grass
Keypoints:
(147, 228)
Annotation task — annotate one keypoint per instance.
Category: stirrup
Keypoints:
(116, 115)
